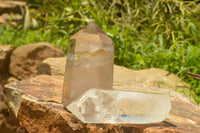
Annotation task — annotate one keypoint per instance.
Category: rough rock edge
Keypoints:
(68, 122)
(29, 104)
(15, 94)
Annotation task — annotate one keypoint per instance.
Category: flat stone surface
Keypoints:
(57, 67)
(153, 77)
(36, 103)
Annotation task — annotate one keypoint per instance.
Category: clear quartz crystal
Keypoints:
(115, 106)
(90, 60)
(89, 65)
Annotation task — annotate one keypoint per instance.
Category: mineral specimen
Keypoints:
(90, 60)
(116, 106)
(88, 86)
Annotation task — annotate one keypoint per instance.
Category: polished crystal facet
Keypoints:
(90, 60)
(115, 106)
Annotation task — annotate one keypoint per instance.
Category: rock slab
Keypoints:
(14, 10)
(53, 66)
(153, 77)
(36, 103)
(5, 52)
(26, 59)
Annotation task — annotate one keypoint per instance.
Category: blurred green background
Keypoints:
(146, 33)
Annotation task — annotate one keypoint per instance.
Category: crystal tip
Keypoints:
(93, 28)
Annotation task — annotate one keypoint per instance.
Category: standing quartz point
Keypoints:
(115, 106)
(90, 61)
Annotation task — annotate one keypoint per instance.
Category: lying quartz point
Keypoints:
(115, 106)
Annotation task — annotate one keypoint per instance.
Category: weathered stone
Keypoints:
(5, 52)
(14, 10)
(11, 6)
(8, 121)
(153, 77)
(26, 59)
(2, 20)
(3, 107)
(53, 66)
(162, 130)
(36, 103)
(16, 19)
